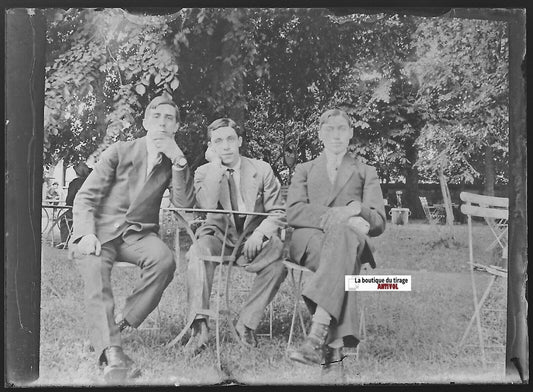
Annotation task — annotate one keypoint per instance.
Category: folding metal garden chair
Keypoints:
(296, 273)
(433, 214)
(223, 285)
(493, 210)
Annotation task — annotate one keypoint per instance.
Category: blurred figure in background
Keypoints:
(53, 194)
(82, 171)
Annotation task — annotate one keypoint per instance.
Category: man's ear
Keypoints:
(240, 140)
(320, 136)
(145, 123)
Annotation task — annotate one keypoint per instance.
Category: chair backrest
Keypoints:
(485, 206)
(425, 207)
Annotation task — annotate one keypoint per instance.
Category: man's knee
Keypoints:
(195, 253)
(275, 270)
(162, 260)
(344, 232)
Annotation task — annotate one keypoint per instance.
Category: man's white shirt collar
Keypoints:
(335, 159)
(333, 164)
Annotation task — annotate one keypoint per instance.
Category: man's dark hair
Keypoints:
(82, 170)
(223, 122)
(333, 113)
(164, 99)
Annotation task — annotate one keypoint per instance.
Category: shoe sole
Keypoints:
(115, 375)
(296, 356)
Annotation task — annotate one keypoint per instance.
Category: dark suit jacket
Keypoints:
(261, 192)
(118, 199)
(73, 188)
(311, 194)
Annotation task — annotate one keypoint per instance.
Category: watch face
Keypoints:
(182, 161)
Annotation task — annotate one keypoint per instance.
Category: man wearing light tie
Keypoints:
(231, 181)
(116, 218)
(335, 204)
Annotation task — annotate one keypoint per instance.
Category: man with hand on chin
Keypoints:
(335, 204)
(116, 218)
(231, 181)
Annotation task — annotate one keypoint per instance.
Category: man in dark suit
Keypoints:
(233, 182)
(82, 171)
(116, 218)
(335, 204)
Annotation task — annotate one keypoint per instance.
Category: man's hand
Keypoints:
(89, 244)
(212, 156)
(336, 216)
(359, 224)
(253, 245)
(167, 146)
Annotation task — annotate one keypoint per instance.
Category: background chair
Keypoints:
(493, 210)
(434, 214)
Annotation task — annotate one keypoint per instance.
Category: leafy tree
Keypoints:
(100, 69)
(461, 68)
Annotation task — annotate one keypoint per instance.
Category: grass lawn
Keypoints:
(412, 337)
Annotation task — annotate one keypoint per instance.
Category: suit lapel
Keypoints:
(137, 174)
(318, 182)
(249, 186)
(346, 170)
(154, 184)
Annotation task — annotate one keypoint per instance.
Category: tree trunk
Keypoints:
(517, 347)
(411, 199)
(228, 81)
(447, 201)
(99, 108)
(490, 171)
(24, 70)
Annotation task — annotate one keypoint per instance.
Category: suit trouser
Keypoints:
(200, 275)
(331, 256)
(157, 271)
(65, 225)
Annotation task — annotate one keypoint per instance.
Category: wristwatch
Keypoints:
(180, 162)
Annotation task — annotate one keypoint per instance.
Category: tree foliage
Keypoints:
(428, 91)
(461, 68)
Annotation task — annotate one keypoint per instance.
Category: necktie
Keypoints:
(332, 169)
(233, 199)
(153, 163)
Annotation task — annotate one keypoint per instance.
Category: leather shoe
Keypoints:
(246, 335)
(312, 350)
(199, 338)
(124, 325)
(117, 365)
(333, 368)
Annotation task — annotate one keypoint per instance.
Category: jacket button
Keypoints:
(116, 225)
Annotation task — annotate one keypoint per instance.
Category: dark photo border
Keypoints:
(24, 53)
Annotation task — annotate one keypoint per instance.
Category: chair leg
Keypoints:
(271, 315)
(217, 319)
(476, 312)
(297, 293)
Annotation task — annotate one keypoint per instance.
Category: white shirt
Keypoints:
(154, 157)
(333, 163)
(237, 179)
